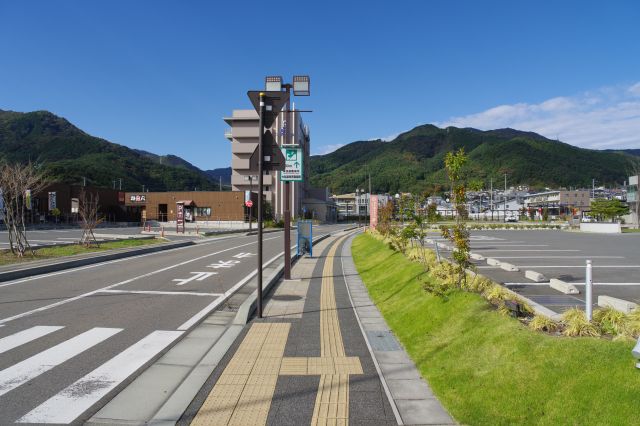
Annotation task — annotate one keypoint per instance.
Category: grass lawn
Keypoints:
(629, 230)
(7, 258)
(488, 369)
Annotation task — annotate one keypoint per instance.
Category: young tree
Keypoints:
(17, 183)
(88, 210)
(608, 209)
(458, 234)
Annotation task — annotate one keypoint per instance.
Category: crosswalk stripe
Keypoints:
(22, 372)
(78, 397)
(25, 336)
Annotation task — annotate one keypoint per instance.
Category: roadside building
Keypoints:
(64, 199)
(559, 202)
(198, 206)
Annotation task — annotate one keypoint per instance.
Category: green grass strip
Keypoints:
(488, 369)
(6, 258)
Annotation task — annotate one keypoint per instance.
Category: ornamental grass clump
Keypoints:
(576, 324)
(543, 323)
(633, 320)
(612, 321)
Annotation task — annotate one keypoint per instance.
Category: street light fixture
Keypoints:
(301, 85)
(273, 83)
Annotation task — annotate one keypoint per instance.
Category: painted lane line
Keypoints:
(77, 398)
(109, 287)
(96, 265)
(162, 293)
(30, 368)
(514, 245)
(560, 257)
(26, 336)
(223, 264)
(197, 276)
(213, 305)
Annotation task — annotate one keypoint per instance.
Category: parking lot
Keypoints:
(562, 255)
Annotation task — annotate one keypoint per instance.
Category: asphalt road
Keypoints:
(69, 340)
(562, 255)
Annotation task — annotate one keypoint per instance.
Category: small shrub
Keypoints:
(496, 294)
(576, 324)
(633, 322)
(543, 323)
(611, 321)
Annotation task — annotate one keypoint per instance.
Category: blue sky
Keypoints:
(160, 75)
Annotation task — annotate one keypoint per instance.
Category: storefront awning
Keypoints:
(188, 203)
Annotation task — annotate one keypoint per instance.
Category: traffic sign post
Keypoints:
(268, 105)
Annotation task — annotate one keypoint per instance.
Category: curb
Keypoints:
(74, 263)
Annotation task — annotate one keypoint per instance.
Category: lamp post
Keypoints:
(358, 191)
(301, 87)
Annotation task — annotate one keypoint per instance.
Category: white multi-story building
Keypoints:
(243, 135)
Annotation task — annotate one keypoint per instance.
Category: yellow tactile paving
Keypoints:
(243, 393)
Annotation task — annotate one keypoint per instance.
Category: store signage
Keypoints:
(138, 198)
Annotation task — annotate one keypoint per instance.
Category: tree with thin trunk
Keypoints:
(88, 207)
(17, 184)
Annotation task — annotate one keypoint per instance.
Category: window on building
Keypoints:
(203, 211)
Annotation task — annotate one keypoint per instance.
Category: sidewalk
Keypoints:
(309, 360)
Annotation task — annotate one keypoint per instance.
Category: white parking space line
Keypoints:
(576, 283)
(26, 336)
(162, 293)
(109, 287)
(560, 257)
(74, 400)
(533, 250)
(565, 266)
(22, 372)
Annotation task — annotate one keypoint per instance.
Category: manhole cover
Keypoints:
(286, 297)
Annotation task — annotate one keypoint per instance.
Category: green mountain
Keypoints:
(67, 154)
(222, 173)
(414, 161)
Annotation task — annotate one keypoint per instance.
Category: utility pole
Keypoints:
(505, 197)
(220, 181)
(260, 206)
(287, 195)
(120, 183)
(114, 184)
(491, 199)
(84, 181)
(593, 188)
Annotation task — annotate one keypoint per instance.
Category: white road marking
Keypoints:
(223, 264)
(243, 255)
(198, 276)
(560, 257)
(96, 265)
(577, 283)
(213, 305)
(109, 287)
(77, 398)
(565, 266)
(515, 245)
(25, 336)
(22, 372)
(509, 250)
(163, 293)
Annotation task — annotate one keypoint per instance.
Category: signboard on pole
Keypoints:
(180, 217)
(293, 169)
(373, 211)
(248, 203)
(52, 201)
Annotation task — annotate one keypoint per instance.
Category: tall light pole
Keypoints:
(505, 198)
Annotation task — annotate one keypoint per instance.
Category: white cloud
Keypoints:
(605, 118)
(327, 149)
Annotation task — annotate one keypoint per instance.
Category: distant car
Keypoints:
(588, 219)
(511, 218)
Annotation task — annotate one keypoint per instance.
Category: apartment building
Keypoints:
(243, 135)
(560, 201)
